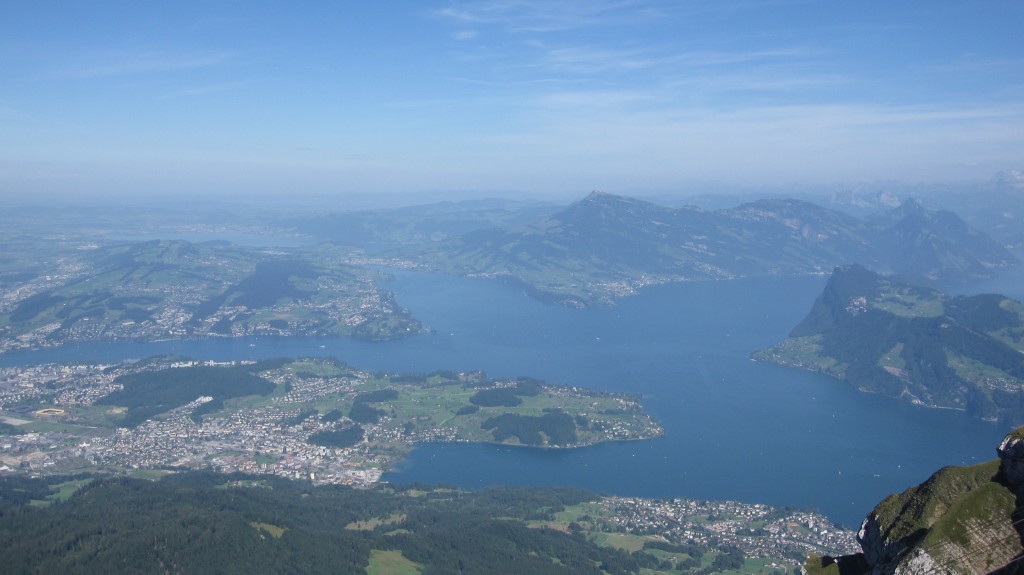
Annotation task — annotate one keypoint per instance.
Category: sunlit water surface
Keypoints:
(734, 428)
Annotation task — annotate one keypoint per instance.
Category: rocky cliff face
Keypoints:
(1011, 458)
(961, 520)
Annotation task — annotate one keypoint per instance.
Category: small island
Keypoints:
(310, 418)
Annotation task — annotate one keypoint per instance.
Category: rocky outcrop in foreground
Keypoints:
(961, 520)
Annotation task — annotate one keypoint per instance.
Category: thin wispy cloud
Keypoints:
(586, 102)
(542, 16)
(206, 90)
(726, 58)
(546, 16)
(768, 82)
(591, 60)
(125, 63)
(665, 63)
(533, 81)
(661, 63)
(766, 144)
(526, 91)
(11, 113)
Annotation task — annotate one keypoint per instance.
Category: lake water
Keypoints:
(735, 429)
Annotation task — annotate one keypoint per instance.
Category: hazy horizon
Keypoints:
(509, 97)
(876, 196)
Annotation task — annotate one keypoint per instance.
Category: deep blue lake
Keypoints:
(735, 429)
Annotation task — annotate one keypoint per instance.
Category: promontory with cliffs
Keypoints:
(915, 343)
(962, 520)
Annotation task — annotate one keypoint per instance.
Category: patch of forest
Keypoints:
(555, 428)
(149, 393)
(208, 523)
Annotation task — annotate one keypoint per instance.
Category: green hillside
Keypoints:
(212, 523)
(914, 343)
(962, 520)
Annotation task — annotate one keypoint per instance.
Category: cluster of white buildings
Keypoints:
(780, 536)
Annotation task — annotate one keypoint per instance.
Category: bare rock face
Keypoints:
(878, 549)
(918, 561)
(895, 557)
(940, 525)
(872, 544)
(1011, 459)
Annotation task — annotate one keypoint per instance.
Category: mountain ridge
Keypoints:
(606, 246)
(961, 520)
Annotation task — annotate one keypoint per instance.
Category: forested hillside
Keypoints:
(214, 523)
(915, 343)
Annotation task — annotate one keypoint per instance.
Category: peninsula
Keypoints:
(914, 343)
(319, 419)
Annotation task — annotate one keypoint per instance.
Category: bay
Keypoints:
(735, 429)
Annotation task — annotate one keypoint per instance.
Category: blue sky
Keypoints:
(534, 97)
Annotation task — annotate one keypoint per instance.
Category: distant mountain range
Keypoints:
(172, 288)
(376, 230)
(606, 246)
(915, 343)
(962, 520)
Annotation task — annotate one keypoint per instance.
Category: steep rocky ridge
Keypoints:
(961, 520)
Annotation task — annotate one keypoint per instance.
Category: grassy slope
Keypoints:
(961, 516)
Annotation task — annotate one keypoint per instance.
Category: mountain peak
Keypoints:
(600, 197)
(910, 206)
(605, 205)
(937, 245)
(1010, 178)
